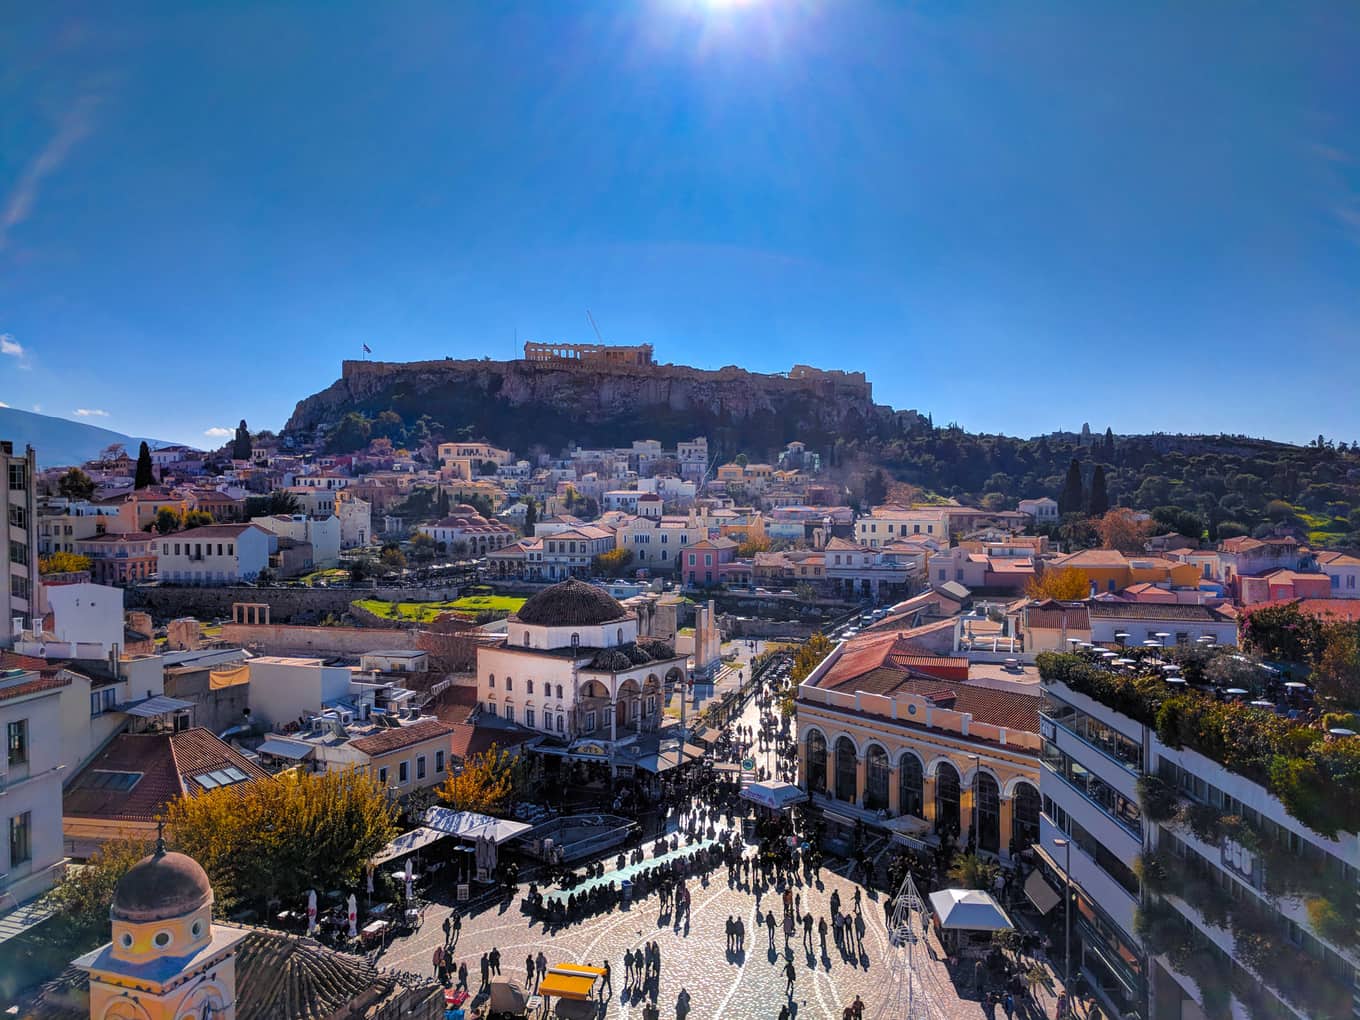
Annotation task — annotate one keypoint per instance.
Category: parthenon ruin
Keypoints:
(639, 354)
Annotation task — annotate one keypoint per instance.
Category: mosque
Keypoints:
(169, 960)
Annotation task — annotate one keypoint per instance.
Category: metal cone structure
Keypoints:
(907, 998)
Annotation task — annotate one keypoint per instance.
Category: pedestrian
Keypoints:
(486, 971)
(1061, 1011)
(741, 935)
(821, 931)
(438, 960)
(857, 1008)
(731, 934)
(462, 976)
(448, 929)
(627, 968)
(529, 971)
(979, 976)
(769, 924)
(790, 975)
(784, 1012)
(542, 962)
(607, 978)
(857, 910)
(495, 959)
(1008, 1005)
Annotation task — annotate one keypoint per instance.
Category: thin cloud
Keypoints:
(37, 408)
(74, 125)
(90, 412)
(10, 346)
(217, 432)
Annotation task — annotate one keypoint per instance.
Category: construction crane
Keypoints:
(594, 327)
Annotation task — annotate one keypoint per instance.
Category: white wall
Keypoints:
(87, 613)
(33, 787)
(282, 689)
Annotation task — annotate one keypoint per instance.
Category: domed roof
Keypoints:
(159, 887)
(571, 603)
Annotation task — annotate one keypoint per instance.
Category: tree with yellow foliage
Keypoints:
(1121, 529)
(63, 563)
(1068, 584)
(279, 838)
(485, 783)
(753, 545)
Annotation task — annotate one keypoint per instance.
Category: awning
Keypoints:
(774, 794)
(471, 825)
(727, 767)
(669, 758)
(969, 910)
(220, 678)
(569, 981)
(408, 842)
(294, 750)
(27, 915)
(1040, 893)
(159, 705)
(707, 734)
(831, 816)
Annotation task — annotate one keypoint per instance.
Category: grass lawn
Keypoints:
(331, 574)
(426, 612)
(1323, 529)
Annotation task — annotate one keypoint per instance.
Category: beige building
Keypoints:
(884, 524)
(921, 746)
(464, 460)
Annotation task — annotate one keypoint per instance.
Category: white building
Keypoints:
(215, 554)
(284, 688)
(465, 530)
(1144, 621)
(19, 545)
(33, 853)
(656, 544)
(1344, 571)
(573, 665)
(572, 553)
(322, 532)
(356, 520)
(1044, 510)
(1224, 884)
(88, 615)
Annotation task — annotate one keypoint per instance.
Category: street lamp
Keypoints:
(1066, 844)
(977, 767)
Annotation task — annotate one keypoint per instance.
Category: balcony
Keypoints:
(1098, 886)
(1122, 840)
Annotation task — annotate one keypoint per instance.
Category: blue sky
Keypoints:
(1017, 216)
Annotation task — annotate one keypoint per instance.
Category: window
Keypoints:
(21, 839)
(561, 723)
(1336, 580)
(420, 766)
(1350, 582)
(404, 772)
(591, 720)
(18, 475)
(103, 701)
(528, 686)
(439, 761)
(509, 713)
(18, 516)
(491, 680)
(509, 683)
(382, 776)
(559, 692)
(529, 717)
(231, 549)
(18, 586)
(18, 742)
(526, 639)
(18, 553)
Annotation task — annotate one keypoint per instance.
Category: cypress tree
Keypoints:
(143, 477)
(1100, 498)
(1072, 500)
(1109, 444)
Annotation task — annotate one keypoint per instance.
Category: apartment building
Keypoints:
(215, 554)
(1195, 891)
(30, 808)
(884, 524)
(19, 548)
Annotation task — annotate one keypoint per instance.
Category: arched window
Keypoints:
(911, 794)
(509, 683)
(491, 680)
(876, 778)
(1024, 817)
(816, 762)
(575, 640)
(845, 770)
(988, 796)
(526, 639)
(528, 687)
(620, 635)
(561, 723)
(509, 712)
(559, 692)
(947, 799)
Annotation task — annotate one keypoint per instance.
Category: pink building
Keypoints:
(701, 566)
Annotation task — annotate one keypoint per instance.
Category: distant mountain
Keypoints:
(58, 441)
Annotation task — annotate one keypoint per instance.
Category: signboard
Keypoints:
(749, 764)
(464, 891)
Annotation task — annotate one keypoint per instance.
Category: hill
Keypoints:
(58, 441)
(1203, 484)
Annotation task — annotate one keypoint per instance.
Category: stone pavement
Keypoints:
(720, 984)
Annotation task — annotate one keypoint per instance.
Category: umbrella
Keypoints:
(1175, 679)
(1341, 731)
(1263, 704)
(311, 911)
(1235, 691)
(1205, 639)
(1152, 643)
(1123, 662)
(1295, 685)
(1109, 655)
(1170, 667)
(353, 916)
(409, 877)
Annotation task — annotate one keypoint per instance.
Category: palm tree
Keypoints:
(973, 872)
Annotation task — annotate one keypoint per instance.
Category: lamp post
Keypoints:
(977, 767)
(1066, 844)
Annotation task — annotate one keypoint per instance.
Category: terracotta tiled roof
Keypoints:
(43, 667)
(168, 765)
(1050, 616)
(455, 704)
(1336, 609)
(218, 531)
(470, 739)
(402, 736)
(278, 977)
(34, 686)
(1154, 611)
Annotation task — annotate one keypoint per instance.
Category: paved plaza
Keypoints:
(719, 983)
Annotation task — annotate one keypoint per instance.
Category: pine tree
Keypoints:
(1100, 498)
(1073, 497)
(143, 477)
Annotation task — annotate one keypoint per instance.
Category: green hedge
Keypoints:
(1317, 779)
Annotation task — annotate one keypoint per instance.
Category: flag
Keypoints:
(367, 349)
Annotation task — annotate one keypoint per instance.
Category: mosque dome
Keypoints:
(571, 603)
(160, 887)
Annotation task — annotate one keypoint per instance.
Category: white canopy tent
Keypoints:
(774, 794)
(408, 842)
(470, 825)
(969, 910)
